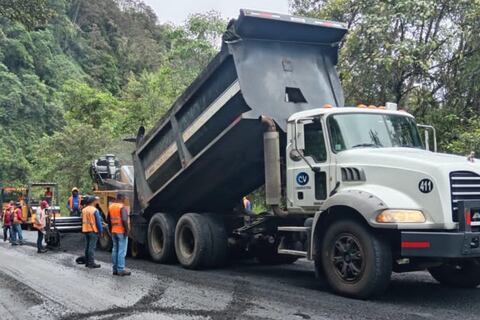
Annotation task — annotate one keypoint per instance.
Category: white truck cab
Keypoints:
(369, 166)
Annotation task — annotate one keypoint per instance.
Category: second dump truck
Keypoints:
(351, 188)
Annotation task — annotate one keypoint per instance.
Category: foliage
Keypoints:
(428, 62)
(65, 156)
(31, 13)
(91, 75)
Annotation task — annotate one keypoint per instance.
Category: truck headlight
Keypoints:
(400, 216)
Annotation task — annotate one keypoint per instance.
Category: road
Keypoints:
(52, 286)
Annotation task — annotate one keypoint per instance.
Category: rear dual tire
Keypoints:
(197, 241)
(161, 238)
(200, 241)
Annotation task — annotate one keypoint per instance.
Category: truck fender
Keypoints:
(365, 203)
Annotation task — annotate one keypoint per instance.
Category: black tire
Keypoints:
(462, 274)
(52, 239)
(267, 254)
(356, 263)
(137, 250)
(105, 242)
(161, 238)
(219, 241)
(200, 241)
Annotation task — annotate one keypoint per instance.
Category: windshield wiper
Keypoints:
(365, 145)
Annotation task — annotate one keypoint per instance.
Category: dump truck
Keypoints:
(351, 188)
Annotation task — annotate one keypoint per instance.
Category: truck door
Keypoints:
(309, 165)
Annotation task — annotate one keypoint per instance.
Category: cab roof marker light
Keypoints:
(361, 106)
(295, 19)
(327, 106)
(382, 107)
(372, 106)
(392, 106)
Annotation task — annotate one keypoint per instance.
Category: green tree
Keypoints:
(31, 13)
(424, 55)
(66, 155)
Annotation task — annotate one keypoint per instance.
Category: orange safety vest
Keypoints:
(15, 216)
(88, 219)
(70, 202)
(115, 214)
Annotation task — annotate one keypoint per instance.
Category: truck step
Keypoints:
(293, 252)
(294, 229)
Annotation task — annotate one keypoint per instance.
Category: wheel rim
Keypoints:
(157, 239)
(187, 241)
(347, 258)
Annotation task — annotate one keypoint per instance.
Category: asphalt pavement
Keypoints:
(53, 286)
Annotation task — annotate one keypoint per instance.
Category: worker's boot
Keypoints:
(93, 265)
(124, 273)
(43, 250)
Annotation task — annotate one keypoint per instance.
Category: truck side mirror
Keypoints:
(299, 137)
(427, 129)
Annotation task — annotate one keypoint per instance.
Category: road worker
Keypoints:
(92, 229)
(247, 204)
(48, 195)
(118, 222)
(7, 222)
(39, 224)
(17, 221)
(74, 203)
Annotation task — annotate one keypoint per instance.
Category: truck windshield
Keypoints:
(349, 131)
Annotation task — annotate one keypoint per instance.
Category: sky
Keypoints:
(177, 11)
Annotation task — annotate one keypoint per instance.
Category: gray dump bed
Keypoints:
(207, 152)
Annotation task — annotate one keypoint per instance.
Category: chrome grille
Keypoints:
(464, 185)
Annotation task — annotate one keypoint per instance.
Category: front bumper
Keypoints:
(440, 244)
(461, 243)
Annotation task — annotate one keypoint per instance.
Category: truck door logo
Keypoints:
(302, 178)
(425, 186)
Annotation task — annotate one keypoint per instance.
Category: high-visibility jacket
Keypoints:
(17, 216)
(89, 223)
(115, 214)
(70, 202)
(7, 217)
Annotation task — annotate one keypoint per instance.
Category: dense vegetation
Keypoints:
(422, 54)
(77, 76)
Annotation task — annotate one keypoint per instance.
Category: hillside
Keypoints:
(78, 75)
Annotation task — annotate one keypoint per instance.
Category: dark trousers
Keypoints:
(91, 239)
(39, 240)
(7, 231)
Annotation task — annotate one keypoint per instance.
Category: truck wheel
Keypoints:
(105, 241)
(161, 237)
(268, 255)
(355, 262)
(200, 241)
(464, 274)
(52, 239)
(219, 241)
